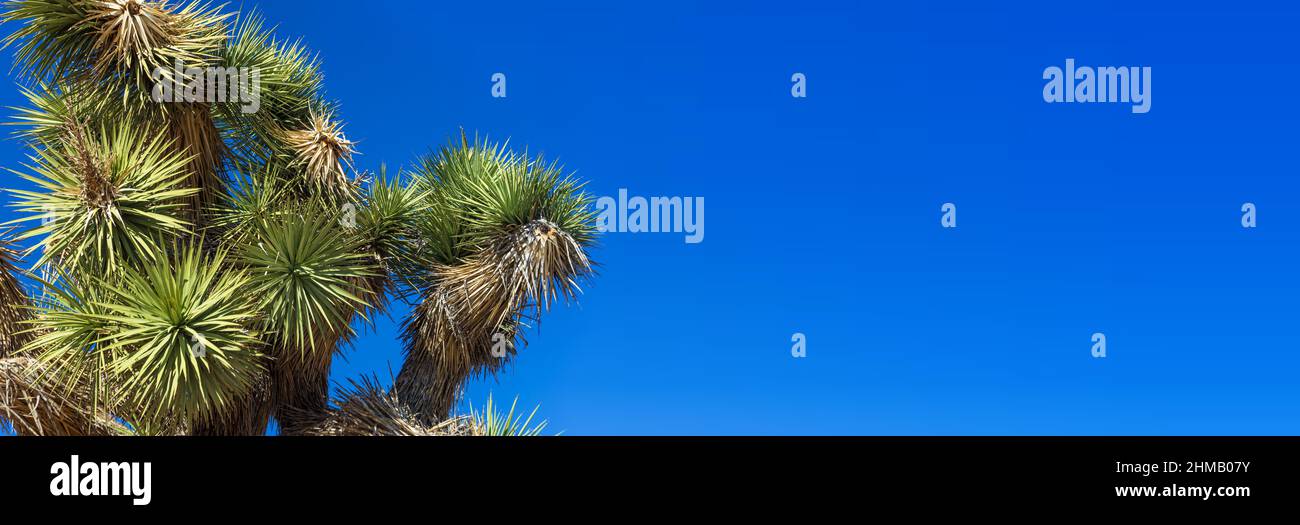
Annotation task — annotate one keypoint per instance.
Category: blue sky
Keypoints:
(822, 213)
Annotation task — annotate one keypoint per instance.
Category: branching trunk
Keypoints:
(300, 395)
(250, 416)
(419, 386)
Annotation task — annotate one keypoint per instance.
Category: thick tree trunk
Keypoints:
(426, 390)
(248, 417)
(300, 394)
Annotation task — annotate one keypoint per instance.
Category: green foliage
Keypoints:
(111, 45)
(166, 341)
(182, 326)
(390, 211)
(290, 79)
(289, 73)
(253, 201)
(305, 269)
(69, 322)
(106, 200)
(492, 422)
(478, 191)
(51, 109)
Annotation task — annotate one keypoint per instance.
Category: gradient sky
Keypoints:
(822, 214)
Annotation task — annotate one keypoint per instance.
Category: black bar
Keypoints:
(229, 475)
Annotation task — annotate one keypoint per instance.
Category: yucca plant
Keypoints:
(493, 422)
(103, 200)
(503, 239)
(193, 268)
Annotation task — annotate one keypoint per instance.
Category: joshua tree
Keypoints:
(184, 265)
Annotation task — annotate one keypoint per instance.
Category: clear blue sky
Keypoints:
(822, 214)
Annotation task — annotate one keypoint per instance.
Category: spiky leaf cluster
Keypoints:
(305, 269)
(104, 199)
